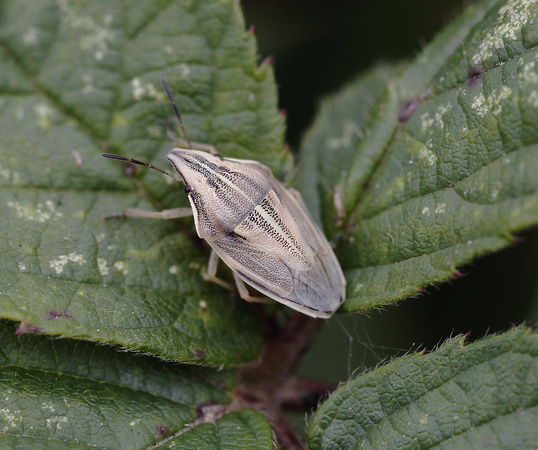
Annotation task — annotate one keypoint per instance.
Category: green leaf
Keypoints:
(245, 429)
(88, 395)
(437, 163)
(79, 79)
(479, 395)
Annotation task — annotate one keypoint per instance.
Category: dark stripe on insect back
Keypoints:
(234, 195)
(201, 165)
(205, 162)
(244, 183)
(195, 163)
(230, 201)
(213, 172)
(281, 233)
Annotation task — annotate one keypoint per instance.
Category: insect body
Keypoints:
(260, 229)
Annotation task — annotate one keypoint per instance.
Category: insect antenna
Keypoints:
(176, 111)
(140, 163)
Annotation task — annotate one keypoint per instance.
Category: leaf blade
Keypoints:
(94, 395)
(449, 397)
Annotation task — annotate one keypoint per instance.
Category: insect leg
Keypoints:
(175, 213)
(245, 294)
(211, 273)
(182, 143)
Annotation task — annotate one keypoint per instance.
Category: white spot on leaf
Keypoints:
(41, 213)
(480, 105)
(514, 15)
(527, 74)
(59, 264)
(141, 91)
(30, 37)
(48, 406)
(10, 175)
(93, 36)
(121, 267)
(44, 114)
(426, 155)
(56, 421)
(11, 419)
(426, 121)
(102, 265)
(494, 99)
(184, 70)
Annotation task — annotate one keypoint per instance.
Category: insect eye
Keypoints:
(188, 188)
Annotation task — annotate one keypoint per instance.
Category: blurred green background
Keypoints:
(318, 46)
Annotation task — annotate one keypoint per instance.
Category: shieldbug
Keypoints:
(260, 229)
